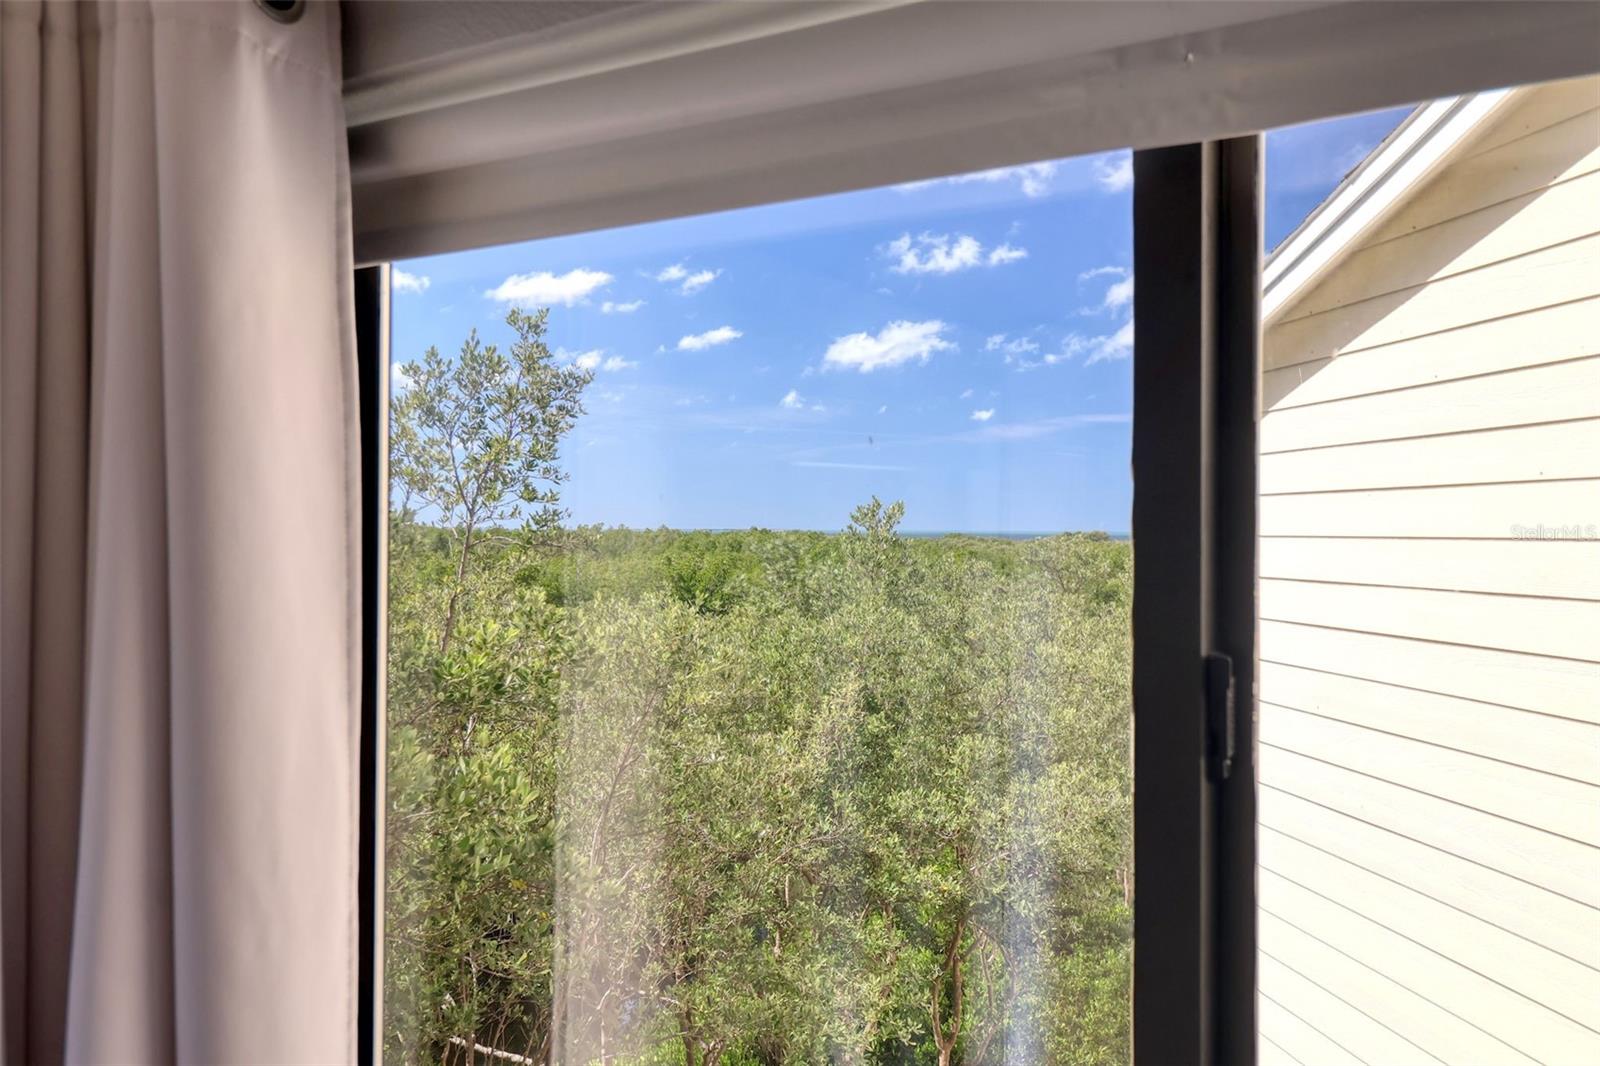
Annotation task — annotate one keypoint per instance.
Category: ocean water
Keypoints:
(930, 534)
(997, 535)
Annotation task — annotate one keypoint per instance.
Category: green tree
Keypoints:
(475, 440)
(720, 799)
(475, 655)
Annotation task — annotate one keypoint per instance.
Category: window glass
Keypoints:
(759, 622)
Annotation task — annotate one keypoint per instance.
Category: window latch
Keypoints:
(1220, 727)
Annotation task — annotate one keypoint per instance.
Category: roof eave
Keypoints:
(1412, 153)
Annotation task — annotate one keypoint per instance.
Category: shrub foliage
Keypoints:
(742, 797)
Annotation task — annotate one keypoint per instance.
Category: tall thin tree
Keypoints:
(475, 441)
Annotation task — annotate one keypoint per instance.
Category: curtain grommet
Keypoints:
(284, 11)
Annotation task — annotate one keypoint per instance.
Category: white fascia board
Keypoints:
(1406, 158)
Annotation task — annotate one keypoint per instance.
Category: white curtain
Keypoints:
(179, 642)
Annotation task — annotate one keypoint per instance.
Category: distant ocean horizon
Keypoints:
(919, 534)
(931, 534)
(997, 535)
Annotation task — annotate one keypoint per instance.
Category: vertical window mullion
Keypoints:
(1233, 609)
(1197, 261)
(372, 379)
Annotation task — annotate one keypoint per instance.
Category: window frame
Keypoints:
(372, 292)
(1198, 213)
(1197, 228)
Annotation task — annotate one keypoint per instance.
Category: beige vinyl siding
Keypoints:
(1566, 569)
(1386, 1005)
(1566, 331)
(1430, 619)
(1549, 451)
(1478, 239)
(1554, 275)
(1533, 912)
(1534, 395)
(1538, 742)
(1560, 687)
(1556, 863)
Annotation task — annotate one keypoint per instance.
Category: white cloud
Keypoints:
(400, 378)
(400, 281)
(1118, 345)
(792, 400)
(695, 342)
(611, 308)
(689, 283)
(1120, 293)
(1043, 427)
(982, 416)
(1095, 349)
(965, 394)
(1070, 349)
(933, 254)
(1013, 347)
(1033, 179)
(884, 409)
(940, 253)
(898, 342)
(1114, 172)
(697, 281)
(1117, 295)
(594, 359)
(546, 288)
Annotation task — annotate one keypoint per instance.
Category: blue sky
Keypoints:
(961, 344)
